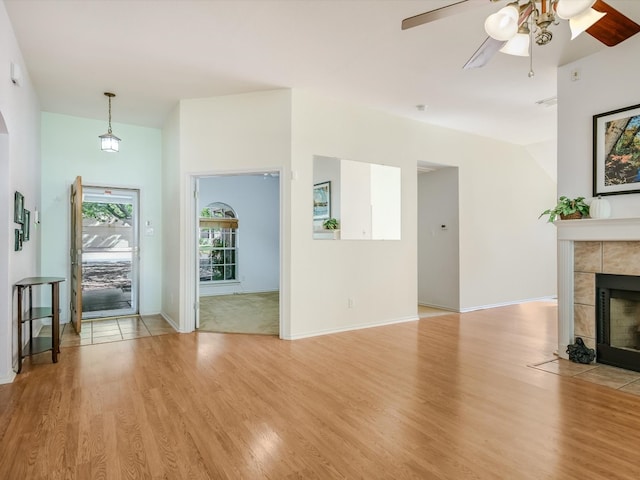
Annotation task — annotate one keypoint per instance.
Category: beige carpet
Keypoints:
(241, 313)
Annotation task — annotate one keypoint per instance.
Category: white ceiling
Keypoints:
(152, 53)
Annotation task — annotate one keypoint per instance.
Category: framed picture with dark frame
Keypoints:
(322, 201)
(616, 152)
(26, 226)
(18, 208)
(18, 240)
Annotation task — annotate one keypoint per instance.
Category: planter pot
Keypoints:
(571, 216)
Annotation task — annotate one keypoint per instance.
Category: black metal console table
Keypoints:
(27, 313)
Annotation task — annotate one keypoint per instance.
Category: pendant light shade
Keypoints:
(567, 9)
(108, 141)
(503, 25)
(580, 23)
(519, 44)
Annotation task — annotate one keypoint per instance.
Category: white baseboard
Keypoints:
(504, 304)
(170, 321)
(8, 377)
(329, 331)
(440, 307)
(209, 293)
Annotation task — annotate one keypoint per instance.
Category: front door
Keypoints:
(109, 252)
(76, 254)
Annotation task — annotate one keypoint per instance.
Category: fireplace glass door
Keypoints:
(618, 320)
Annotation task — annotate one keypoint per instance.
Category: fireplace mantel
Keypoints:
(601, 229)
(570, 231)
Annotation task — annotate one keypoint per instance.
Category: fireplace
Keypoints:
(586, 248)
(618, 320)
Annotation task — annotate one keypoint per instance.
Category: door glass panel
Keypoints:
(110, 247)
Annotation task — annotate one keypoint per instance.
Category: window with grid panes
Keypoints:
(218, 243)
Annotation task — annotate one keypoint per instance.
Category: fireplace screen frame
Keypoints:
(614, 286)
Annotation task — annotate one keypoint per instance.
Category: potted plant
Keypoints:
(330, 224)
(567, 209)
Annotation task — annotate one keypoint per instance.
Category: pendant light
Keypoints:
(519, 44)
(503, 25)
(109, 142)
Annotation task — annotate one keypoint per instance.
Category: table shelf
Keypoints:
(36, 313)
(27, 314)
(37, 345)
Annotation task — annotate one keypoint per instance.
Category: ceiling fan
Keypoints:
(514, 28)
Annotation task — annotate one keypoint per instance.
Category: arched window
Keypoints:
(218, 243)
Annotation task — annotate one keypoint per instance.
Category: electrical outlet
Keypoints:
(575, 75)
(350, 302)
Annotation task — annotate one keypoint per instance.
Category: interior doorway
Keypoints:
(438, 238)
(110, 252)
(238, 253)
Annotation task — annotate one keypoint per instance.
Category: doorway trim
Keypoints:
(191, 301)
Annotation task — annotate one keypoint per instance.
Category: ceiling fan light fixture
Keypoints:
(518, 45)
(503, 25)
(580, 23)
(568, 9)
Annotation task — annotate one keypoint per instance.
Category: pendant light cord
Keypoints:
(533, 25)
(109, 130)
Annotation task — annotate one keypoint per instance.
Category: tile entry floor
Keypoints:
(112, 330)
(618, 378)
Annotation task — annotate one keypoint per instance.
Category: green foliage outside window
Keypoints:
(104, 212)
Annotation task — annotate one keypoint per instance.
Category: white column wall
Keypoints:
(225, 135)
(20, 170)
(347, 284)
(172, 226)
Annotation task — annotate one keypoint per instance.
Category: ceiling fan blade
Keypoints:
(442, 12)
(614, 27)
(484, 53)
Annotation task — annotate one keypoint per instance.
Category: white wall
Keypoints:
(546, 154)
(256, 201)
(438, 248)
(608, 81)
(379, 277)
(70, 147)
(19, 170)
(171, 209)
(224, 135)
(507, 255)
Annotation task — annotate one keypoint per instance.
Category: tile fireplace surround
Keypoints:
(587, 247)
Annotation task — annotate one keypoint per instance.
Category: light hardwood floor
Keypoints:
(447, 397)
